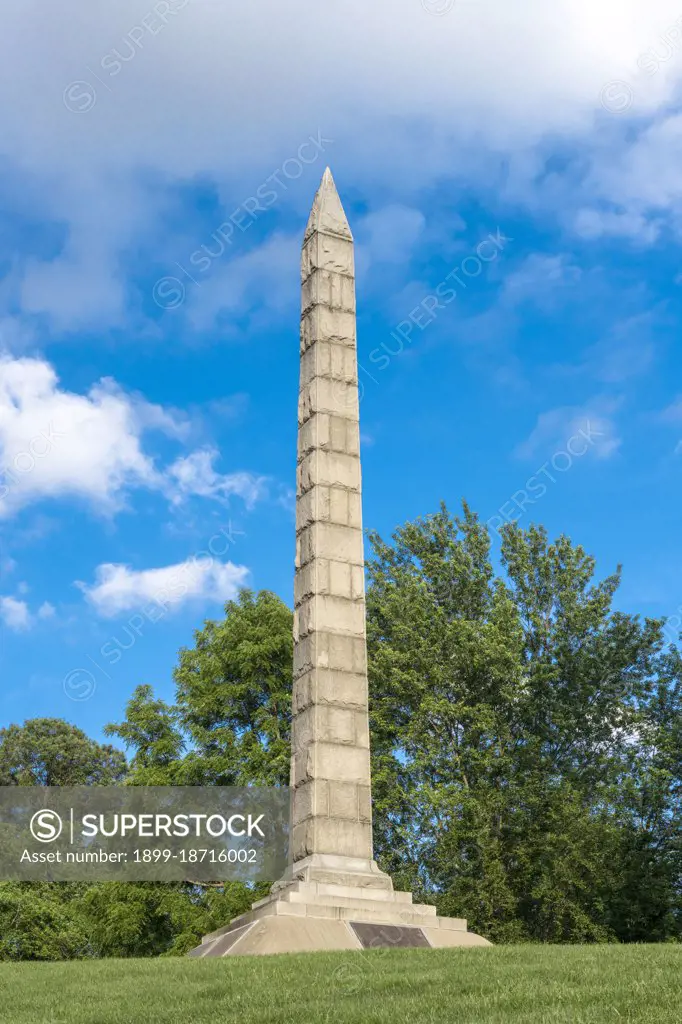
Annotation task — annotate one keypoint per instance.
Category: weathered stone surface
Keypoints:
(330, 734)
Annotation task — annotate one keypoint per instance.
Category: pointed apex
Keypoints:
(327, 215)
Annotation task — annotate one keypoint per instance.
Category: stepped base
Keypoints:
(308, 916)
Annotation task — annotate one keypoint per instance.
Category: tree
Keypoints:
(152, 730)
(50, 752)
(37, 922)
(233, 704)
(76, 921)
(507, 717)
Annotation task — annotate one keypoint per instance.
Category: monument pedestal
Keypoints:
(333, 896)
(309, 916)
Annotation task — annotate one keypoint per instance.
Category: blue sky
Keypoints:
(512, 181)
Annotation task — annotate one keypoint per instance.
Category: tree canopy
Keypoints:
(50, 752)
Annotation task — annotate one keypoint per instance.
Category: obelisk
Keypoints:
(330, 769)
(333, 896)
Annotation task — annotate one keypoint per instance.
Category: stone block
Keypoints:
(314, 506)
(337, 725)
(457, 924)
(341, 763)
(339, 505)
(331, 835)
(440, 939)
(308, 580)
(328, 723)
(328, 469)
(331, 542)
(310, 799)
(314, 433)
(329, 893)
(327, 252)
(304, 656)
(333, 291)
(337, 652)
(328, 395)
(318, 911)
(332, 433)
(326, 687)
(320, 612)
(328, 504)
(354, 510)
(321, 324)
(328, 359)
(361, 730)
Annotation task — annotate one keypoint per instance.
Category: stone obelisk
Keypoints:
(333, 895)
(330, 771)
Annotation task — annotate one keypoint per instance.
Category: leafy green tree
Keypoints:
(152, 730)
(128, 919)
(50, 752)
(76, 921)
(507, 717)
(233, 710)
(37, 922)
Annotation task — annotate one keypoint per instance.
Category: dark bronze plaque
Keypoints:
(388, 936)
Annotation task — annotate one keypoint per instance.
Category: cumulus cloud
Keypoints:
(14, 614)
(56, 443)
(119, 588)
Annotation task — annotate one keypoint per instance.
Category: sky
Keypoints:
(511, 176)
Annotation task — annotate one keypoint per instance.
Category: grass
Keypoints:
(502, 985)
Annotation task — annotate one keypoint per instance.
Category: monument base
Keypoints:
(332, 869)
(309, 916)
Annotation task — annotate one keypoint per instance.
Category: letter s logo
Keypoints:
(46, 826)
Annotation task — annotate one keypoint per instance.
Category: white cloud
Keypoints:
(195, 475)
(14, 614)
(409, 100)
(118, 588)
(590, 428)
(56, 443)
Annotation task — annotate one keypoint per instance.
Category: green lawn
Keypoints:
(503, 985)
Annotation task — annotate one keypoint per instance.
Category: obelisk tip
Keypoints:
(327, 215)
